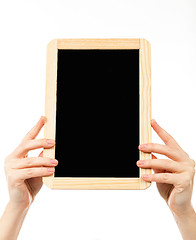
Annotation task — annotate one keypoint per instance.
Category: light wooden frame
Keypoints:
(145, 109)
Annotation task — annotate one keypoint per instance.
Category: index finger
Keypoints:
(32, 134)
(166, 137)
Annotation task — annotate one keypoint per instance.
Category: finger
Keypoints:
(34, 162)
(169, 178)
(172, 153)
(166, 137)
(29, 145)
(160, 164)
(156, 170)
(36, 129)
(155, 147)
(27, 173)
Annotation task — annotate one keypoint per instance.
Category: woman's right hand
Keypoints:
(24, 174)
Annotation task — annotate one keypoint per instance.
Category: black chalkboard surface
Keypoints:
(97, 113)
(98, 109)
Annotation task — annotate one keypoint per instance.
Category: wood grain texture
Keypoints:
(145, 104)
(96, 183)
(96, 43)
(145, 109)
(50, 102)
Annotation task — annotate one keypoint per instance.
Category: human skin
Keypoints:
(24, 177)
(174, 178)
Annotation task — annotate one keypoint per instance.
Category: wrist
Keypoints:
(188, 211)
(18, 207)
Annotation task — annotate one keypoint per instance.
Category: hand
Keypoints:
(24, 174)
(174, 176)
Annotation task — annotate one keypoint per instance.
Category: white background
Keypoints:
(26, 28)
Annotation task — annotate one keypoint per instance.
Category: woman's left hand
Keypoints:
(174, 176)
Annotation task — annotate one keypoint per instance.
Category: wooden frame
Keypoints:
(145, 109)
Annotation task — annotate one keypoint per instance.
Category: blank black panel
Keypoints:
(97, 118)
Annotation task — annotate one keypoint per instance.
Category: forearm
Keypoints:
(11, 221)
(187, 224)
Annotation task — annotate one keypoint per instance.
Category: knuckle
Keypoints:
(7, 162)
(28, 162)
(171, 150)
(24, 145)
(192, 162)
(185, 156)
(147, 163)
(42, 142)
(190, 167)
(169, 140)
(43, 171)
(192, 171)
(151, 145)
(168, 163)
(11, 177)
(166, 177)
(29, 172)
(187, 181)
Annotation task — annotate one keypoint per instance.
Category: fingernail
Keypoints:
(54, 161)
(142, 146)
(153, 121)
(50, 141)
(42, 118)
(51, 170)
(140, 163)
(45, 119)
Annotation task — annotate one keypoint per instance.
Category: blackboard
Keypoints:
(94, 110)
(97, 121)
